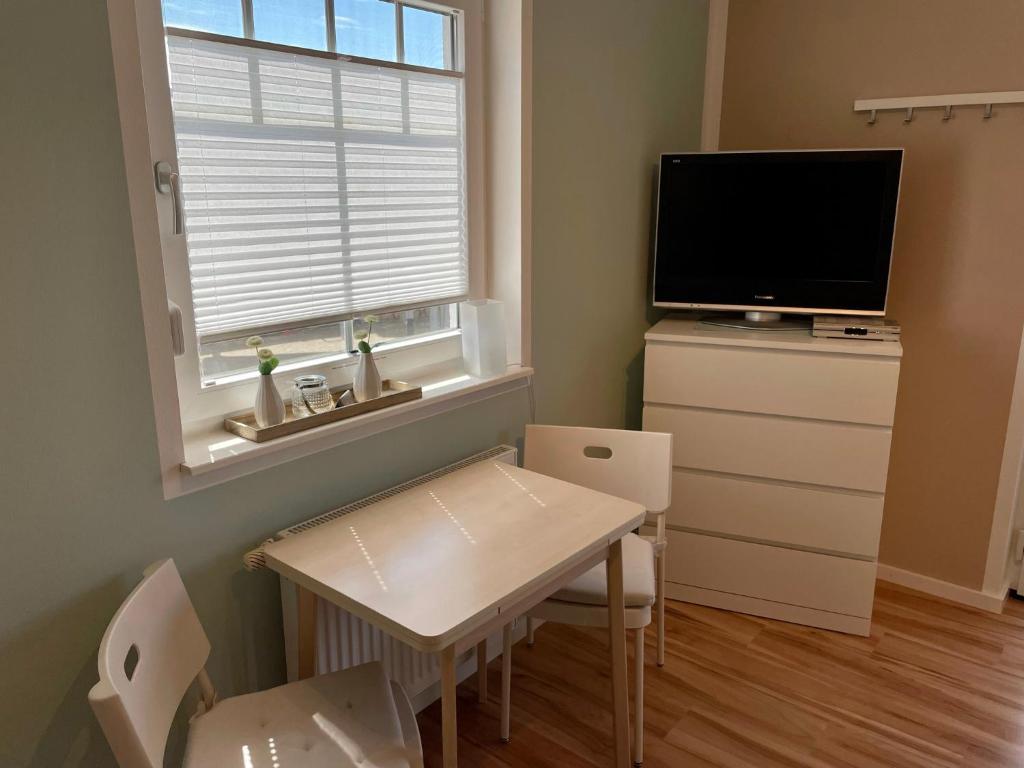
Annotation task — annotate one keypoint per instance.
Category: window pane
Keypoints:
(223, 17)
(291, 22)
(366, 28)
(425, 33)
(227, 358)
(222, 359)
(399, 326)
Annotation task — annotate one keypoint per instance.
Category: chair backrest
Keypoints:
(620, 462)
(151, 653)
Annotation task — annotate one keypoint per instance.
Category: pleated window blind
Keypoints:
(315, 189)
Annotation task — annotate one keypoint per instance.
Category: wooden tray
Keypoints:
(393, 393)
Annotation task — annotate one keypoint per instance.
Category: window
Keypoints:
(403, 117)
(317, 187)
(221, 16)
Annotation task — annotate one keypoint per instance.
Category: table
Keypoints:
(442, 565)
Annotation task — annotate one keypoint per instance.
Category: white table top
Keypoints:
(434, 562)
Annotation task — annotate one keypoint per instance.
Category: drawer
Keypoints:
(836, 521)
(788, 576)
(861, 390)
(815, 452)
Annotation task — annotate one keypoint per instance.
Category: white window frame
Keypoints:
(193, 450)
(202, 405)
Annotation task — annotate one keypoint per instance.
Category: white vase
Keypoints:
(269, 406)
(367, 381)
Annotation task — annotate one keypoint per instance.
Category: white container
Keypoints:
(269, 408)
(366, 384)
(483, 337)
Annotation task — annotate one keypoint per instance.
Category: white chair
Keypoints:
(631, 465)
(155, 648)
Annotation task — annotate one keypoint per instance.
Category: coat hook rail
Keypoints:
(946, 102)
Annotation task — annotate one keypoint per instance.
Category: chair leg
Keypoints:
(638, 697)
(481, 671)
(506, 682)
(660, 606)
(530, 627)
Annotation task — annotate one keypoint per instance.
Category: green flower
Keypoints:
(267, 366)
(365, 348)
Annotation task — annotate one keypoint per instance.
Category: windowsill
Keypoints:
(213, 455)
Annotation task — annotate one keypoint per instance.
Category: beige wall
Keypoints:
(793, 69)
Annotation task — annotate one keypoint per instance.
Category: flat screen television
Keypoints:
(765, 233)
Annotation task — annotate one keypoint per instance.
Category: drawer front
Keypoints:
(815, 452)
(861, 390)
(788, 576)
(835, 521)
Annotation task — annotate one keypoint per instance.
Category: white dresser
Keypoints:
(781, 453)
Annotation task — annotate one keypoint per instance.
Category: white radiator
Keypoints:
(344, 640)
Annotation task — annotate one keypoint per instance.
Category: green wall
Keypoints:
(614, 85)
(81, 508)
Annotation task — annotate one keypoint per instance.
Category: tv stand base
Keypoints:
(759, 321)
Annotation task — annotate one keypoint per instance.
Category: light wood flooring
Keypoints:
(936, 685)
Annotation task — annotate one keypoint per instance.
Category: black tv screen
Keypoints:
(800, 231)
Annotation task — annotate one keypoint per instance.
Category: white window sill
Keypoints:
(213, 455)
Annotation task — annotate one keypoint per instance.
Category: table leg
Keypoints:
(638, 696)
(481, 671)
(449, 727)
(306, 633)
(617, 642)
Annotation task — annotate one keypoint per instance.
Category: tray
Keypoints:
(392, 393)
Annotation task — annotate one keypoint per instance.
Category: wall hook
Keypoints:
(948, 114)
(988, 112)
(910, 115)
(873, 117)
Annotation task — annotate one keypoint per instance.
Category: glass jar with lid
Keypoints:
(310, 394)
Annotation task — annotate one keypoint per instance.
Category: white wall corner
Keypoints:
(1000, 569)
(508, 125)
(714, 74)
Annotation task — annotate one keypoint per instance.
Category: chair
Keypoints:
(155, 648)
(631, 465)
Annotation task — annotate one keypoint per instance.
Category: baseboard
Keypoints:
(975, 598)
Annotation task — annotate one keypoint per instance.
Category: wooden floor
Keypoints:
(935, 685)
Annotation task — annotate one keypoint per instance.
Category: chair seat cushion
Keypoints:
(637, 578)
(342, 719)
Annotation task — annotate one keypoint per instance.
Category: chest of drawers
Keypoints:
(781, 454)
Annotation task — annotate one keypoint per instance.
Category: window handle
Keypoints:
(167, 183)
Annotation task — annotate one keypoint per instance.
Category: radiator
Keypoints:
(344, 640)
